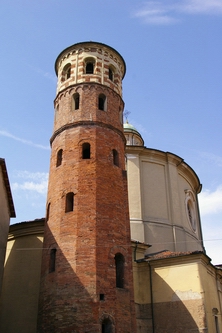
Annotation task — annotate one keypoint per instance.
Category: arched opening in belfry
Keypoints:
(89, 67)
(66, 73)
(111, 74)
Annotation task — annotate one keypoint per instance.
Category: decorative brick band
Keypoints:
(86, 85)
(86, 123)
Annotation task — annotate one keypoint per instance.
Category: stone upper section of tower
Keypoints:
(90, 62)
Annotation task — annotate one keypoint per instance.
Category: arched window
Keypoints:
(66, 73)
(89, 65)
(59, 157)
(86, 150)
(111, 74)
(102, 102)
(52, 260)
(48, 211)
(190, 209)
(107, 326)
(191, 214)
(69, 202)
(76, 101)
(119, 262)
(115, 157)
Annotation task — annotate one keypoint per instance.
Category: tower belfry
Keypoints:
(86, 277)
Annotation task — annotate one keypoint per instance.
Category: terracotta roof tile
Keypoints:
(168, 254)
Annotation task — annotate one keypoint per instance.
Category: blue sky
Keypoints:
(172, 87)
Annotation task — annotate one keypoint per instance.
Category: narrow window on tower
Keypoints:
(115, 157)
(66, 73)
(216, 324)
(52, 260)
(119, 262)
(76, 101)
(59, 157)
(86, 150)
(107, 326)
(69, 202)
(48, 211)
(102, 102)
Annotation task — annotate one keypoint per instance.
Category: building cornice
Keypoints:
(22, 229)
(161, 156)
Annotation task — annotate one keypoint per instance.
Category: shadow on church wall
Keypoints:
(175, 314)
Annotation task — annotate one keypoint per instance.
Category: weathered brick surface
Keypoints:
(88, 237)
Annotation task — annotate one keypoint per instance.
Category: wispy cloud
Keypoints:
(211, 202)
(30, 175)
(207, 7)
(33, 181)
(215, 159)
(43, 73)
(157, 13)
(171, 11)
(139, 127)
(26, 142)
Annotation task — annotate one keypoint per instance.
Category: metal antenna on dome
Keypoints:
(126, 113)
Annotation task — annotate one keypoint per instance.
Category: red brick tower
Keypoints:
(86, 283)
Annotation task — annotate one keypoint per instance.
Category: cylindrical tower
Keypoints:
(86, 278)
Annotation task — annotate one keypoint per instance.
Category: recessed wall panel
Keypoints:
(154, 191)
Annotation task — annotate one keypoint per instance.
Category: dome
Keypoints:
(128, 126)
(133, 137)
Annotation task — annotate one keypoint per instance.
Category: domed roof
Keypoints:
(133, 137)
(130, 127)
